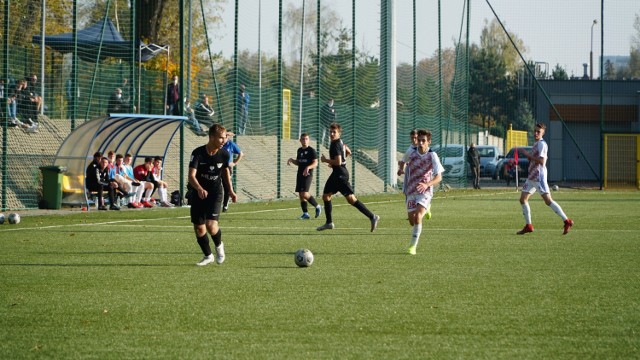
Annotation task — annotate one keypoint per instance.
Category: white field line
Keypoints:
(127, 222)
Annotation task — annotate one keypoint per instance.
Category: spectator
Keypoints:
(233, 149)
(473, 158)
(173, 97)
(190, 114)
(243, 109)
(204, 112)
(27, 105)
(327, 117)
(116, 103)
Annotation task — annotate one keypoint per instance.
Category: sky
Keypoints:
(553, 31)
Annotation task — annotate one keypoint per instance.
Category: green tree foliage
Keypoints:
(493, 66)
(559, 73)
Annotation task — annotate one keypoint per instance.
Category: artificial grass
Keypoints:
(125, 285)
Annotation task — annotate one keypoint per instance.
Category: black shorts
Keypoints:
(303, 183)
(338, 182)
(206, 209)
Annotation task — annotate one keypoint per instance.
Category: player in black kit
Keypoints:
(208, 168)
(338, 181)
(307, 160)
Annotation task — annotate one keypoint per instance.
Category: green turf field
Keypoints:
(116, 285)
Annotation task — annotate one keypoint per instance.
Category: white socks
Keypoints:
(526, 211)
(558, 210)
(415, 235)
(163, 194)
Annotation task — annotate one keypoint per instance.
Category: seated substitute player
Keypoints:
(162, 185)
(424, 172)
(537, 180)
(208, 169)
(143, 173)
(306, 160)
(126, 182)
(338, 181)
(98, 180)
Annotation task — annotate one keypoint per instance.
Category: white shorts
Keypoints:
(414, 200)
(530, 186)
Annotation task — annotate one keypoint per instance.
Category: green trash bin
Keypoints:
(52, 186)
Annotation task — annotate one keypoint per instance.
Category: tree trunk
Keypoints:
(149, 18)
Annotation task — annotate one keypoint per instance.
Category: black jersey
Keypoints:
(209, 167)
(337, 148)
(305, 158)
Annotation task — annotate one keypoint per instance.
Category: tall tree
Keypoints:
(559, 73)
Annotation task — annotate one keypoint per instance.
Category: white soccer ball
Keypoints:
(14, 218)
(304, 257)
(555, 187)
(1, 219)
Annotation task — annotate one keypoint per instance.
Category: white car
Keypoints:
(452, 157)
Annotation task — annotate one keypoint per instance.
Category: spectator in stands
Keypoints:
(243, 109)
(173, 97)
(161, 185)
(327, 117)
(27, 106)
(126, 183)
(97, 180)
(190, 114)
(204, 112)
(143, 172)
(116, 103)
(233, 149)
(32, 82)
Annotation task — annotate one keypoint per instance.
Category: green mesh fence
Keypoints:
(455, 74)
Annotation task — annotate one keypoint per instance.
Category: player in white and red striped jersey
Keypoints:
(424, 172)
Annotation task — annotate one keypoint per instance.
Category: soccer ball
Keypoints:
(14, 218)
(555, 187)
(1, 219)
(304, 257)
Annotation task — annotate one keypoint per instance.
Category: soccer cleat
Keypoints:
(225, 208)
(220, 253)
(374, 222)
(206, 260)
(166, 204)
(305, 216)
(428, 214)
(526, 229)
(327, 226)
(114, 207)
(567, 225)
(132, 205)
(412, 250)
(146, 204)
(102, 207)
(318, 211)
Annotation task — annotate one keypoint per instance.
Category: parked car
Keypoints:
(523, 164)
(452, 157)
(489, 157)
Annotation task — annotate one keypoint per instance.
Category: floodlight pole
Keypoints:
(595, 22)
